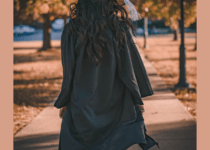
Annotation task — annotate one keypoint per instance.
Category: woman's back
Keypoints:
(101, 95)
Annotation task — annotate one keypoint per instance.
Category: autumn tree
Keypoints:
(170, 11)
(43, 11)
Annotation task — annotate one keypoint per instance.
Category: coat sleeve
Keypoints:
(131, 70)
(139, 68)
(68, 64)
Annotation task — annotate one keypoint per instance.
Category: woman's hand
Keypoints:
(62, 110)
(142, 108)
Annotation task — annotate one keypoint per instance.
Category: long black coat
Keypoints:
(102, 101)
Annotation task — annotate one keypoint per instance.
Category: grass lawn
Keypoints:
(37, 80)
(163, 53)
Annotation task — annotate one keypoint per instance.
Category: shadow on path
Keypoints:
(48, 141)
(22, 48)
(36, 57)
(179, 135)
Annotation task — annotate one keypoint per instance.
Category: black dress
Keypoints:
(102, 101)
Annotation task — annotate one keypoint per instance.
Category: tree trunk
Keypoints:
(65, 20)
(176, 31)
(176, 34)
(196, 36)
(46, 32)
(195, 48)
(175, 26)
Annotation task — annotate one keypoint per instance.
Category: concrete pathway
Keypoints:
(166, 120)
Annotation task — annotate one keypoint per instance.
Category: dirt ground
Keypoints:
(37, 80)
(163, 53)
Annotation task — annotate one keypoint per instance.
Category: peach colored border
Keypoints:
(6, 77)
(203, 74)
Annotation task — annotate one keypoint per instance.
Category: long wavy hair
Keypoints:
(87, 19)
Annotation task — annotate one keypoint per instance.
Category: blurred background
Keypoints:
(37, 31)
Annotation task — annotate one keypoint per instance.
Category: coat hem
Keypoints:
(121, 139)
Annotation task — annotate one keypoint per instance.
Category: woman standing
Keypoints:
(104, 80)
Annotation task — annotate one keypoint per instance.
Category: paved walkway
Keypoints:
(166, 120)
